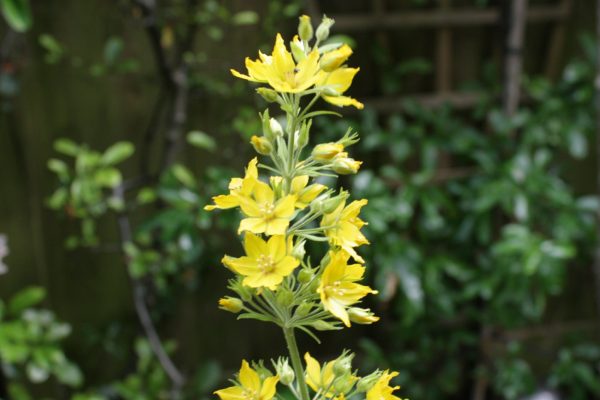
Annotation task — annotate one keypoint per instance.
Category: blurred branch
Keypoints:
(596, 268)
(141, 308)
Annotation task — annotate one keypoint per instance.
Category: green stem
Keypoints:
(290, 339)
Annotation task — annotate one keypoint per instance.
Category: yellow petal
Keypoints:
(299, 183)
(276, 247)
(342, 101)
(248, 377)
(277, 226)
(285, 207)
(282, 61)
(263, 193)
(268, 389)
(254, 245)
(254, 225)
(231, 393)
(340, 79)
(313, 372)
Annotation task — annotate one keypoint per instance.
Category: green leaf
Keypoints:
(54, 50)
(184, 175)
(108, 177)
(118, 152)
(113, 49)
(25, 299)
(201, 140)
(245, 18)
(69, 374)
(17, 14)
(67, 147)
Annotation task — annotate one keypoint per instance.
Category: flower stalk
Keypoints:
(274, 280)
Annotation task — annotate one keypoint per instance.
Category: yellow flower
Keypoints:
(382, 389)
(250, 386)
(325, 152)
(304, 194)
(264, 213)
(338, 287)
(335, 58)
(261, 144)
(317, 378)
(343, 227)
(265, 263)
(339, 81)
(241, 186)
(280, 71)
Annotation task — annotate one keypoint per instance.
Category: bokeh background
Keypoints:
(482, 208)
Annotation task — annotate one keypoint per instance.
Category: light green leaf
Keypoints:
(184, 175)
(108, 177)
(17, 14)
(25, 299)
(201, 140)
(245, 18)
(66, 146)
(118, 152)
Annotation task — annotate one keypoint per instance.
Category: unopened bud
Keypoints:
(299, 251)
(261, 144)
(344, 165)
(362, 316)
(365, 383)
(323, 28)
(332, 60)
(325, 152)
(305, 28)
(344, 383)
(269, 95)
(331, 204)
(303, 309)
(231, 304)
(343, 365)
(284, 371)
(321, 325)
(262, 371)
(275, 127)
(305, 275)
(284, 296)
(303, 136)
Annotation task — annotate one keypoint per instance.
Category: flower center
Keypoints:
(266, 263)
(250, 394)
(267, 209)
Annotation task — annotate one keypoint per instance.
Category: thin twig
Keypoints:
(141, 307)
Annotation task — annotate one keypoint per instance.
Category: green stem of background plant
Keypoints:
(290, 339)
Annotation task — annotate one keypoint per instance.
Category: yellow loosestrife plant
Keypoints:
(273, 279)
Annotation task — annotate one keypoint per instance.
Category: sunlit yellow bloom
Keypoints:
(250, 386)
(264, 213)
(338, 287)
(265, 264)
(280, 71)
(304, 194)
(362, 316)
(343, 227)
(382, 389)
(339, 81)
(317, 378)
(335, 58)
(325, 152)
(237, 186)
(231, 304)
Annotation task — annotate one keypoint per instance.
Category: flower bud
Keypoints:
(231, 304)
(323, 28)
(299, 251)
(284, 296)
(332, 203)
(305, 28)
(344, 165)
(303, 309)
(305, 275)
(321, 325)
(297, 48)
(303, 136)
(261, 144)
(344, 384)
(332, 60)
(365, 383)
(269, 95)
(362, 316)
(343, 365)
(316, 206)
(284, 371)
(275, 127)
(325, 152)
(262, 371)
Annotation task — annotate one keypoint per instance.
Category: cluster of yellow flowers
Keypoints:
(275, 281)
